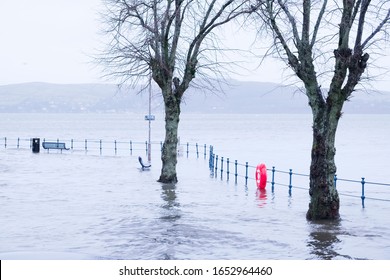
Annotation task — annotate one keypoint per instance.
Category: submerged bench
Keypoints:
(54, 145)
(142, 164)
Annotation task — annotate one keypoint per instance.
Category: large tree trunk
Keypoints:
(324, 198)
(169, 150)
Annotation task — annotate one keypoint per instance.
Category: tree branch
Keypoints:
(318, 23)
(306, 21)
(360, 28)
(291, 20)
(377, 30)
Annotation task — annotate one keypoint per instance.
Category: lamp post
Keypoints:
(150, 123)
(150, 118)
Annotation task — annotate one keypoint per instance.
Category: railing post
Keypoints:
(197, 152)
(86, 145)
(227, 166)
(363, 197)
(131, 148)
(204, 148)
(100, 146)
(146, 147)
(5, 142)
(246, 173)
(18, 143)
(211, 160)
(235, 171)
(187, 148)
(211, 157)
(58, 141)
(71, 144)
(115, 147)
(216, 164)
(290, 184)
(221, 167)
(273, 179)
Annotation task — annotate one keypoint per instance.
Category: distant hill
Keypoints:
(239, 97)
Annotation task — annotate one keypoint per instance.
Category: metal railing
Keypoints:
(223, 166)
(218, 165)
(105, 147)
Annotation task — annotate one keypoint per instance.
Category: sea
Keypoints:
(93, 201)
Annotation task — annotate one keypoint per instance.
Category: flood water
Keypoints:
(100, 205)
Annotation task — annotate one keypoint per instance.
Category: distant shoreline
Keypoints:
(242, 98)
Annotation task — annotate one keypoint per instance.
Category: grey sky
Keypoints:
(48, 40)
(53, 41)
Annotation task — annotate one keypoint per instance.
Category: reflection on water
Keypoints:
(171, 208)
(324, 242)
(171, 213)
(261, 196)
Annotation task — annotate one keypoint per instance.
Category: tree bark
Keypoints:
(324, 198)
(169, 149)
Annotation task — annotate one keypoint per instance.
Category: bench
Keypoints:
(54, 145)
(142, 164)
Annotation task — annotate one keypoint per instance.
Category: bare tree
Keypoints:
(168, 40)
(309, 35)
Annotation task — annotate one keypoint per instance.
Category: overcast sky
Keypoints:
(54, 40)
(48, 41)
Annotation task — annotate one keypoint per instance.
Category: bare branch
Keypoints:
(359, 33)
(385, 21)
(318, 23)
(306, 21)
(284, 7)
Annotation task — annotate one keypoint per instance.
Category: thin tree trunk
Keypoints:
(324, 199)
(169, 150)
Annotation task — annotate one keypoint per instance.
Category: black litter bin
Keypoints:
(35, 145)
